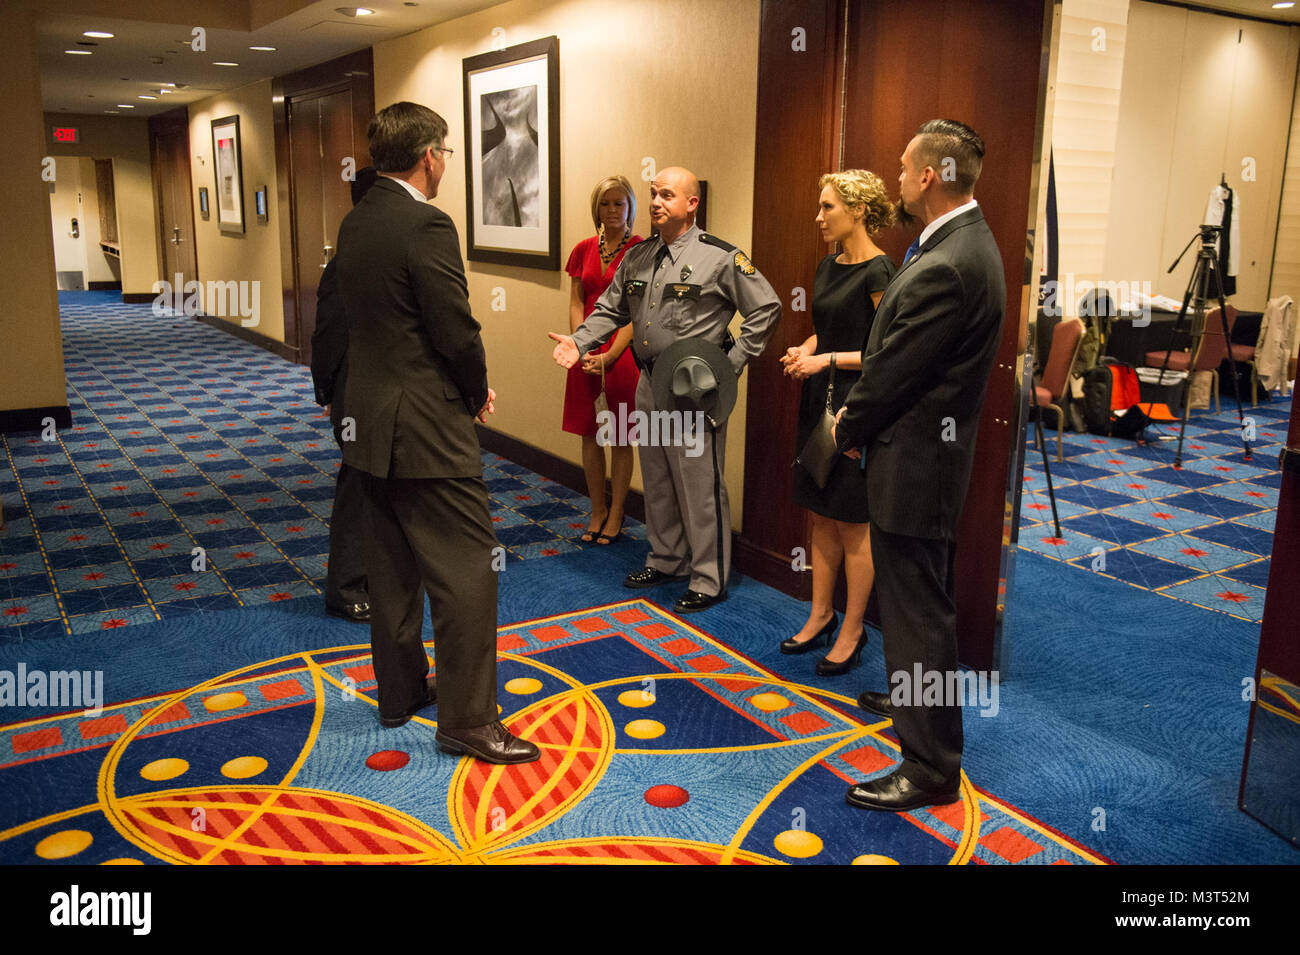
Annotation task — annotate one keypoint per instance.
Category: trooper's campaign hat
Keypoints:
(694, 375)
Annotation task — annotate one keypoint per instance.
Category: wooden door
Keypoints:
(901, 64)
(322, 149)
(169, 150)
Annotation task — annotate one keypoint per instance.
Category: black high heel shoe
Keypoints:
(826, 668)
(794, 646)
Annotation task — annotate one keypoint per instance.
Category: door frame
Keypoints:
(354, 71)
(163, 123)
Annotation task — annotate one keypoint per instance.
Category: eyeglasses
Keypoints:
(445, 150)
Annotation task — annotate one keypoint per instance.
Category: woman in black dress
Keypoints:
(854, 206)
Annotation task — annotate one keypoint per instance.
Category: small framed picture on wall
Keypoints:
(228, 168)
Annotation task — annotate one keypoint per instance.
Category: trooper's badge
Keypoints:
(746, 267)
(686, 272)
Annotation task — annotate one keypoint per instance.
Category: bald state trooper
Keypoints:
(683, 284)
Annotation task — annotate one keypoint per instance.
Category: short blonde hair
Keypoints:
(602, 187)
(859, 188)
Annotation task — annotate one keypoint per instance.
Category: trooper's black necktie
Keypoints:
(661, 254)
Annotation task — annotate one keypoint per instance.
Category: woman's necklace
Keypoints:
(607, 257)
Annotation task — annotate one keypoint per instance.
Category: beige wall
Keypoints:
(1286, 255)
(126, 142)
(31, 343)
(1195, 103)
(255, 255)
(674, 82)
(1090, 65)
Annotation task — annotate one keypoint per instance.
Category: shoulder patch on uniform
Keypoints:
(743, 264)
(714, 240)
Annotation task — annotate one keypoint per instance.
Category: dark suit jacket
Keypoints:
(927, 360)
(416, 368)
(329, 344)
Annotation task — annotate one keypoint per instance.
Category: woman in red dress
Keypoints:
(592, 265)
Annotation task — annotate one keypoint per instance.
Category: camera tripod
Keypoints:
(1199, 287)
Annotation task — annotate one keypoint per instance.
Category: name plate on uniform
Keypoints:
(680, 291)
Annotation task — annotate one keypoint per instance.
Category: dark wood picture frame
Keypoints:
(231, 218)
(536, 243)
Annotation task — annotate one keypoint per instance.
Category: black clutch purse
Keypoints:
(819, 454)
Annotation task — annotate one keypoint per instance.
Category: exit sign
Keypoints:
(66, 134)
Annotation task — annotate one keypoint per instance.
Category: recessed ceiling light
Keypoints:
(1283, 6)
(354, 11)
(263, 49)
(99, 34)
(79, 52)
(165, 92)
(146, 96)
(224, 63)
(125, 106)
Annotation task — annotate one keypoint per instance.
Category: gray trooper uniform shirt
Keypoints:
(689, 288)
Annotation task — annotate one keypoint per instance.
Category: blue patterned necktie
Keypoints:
(913, 251)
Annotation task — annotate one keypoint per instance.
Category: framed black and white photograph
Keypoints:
(512, 161)
(228, 168)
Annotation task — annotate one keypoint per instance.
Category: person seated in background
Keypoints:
(854, 205)
(346, 593)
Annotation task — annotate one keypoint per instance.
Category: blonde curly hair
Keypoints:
(860, 189)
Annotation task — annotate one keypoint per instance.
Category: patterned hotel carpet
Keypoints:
(660, 744)
(246, 733)
(1201, 534)
(185, 437)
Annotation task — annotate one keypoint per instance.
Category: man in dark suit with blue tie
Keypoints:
(417, 377)
(914, 412)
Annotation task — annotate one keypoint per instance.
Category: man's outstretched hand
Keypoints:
(566, 352)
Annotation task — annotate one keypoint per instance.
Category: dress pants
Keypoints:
(683, 513)
(433, 535)
(919, 625)
(345, 577)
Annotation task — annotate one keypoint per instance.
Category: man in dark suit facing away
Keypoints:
(915, 412)
(417, 378)
(346, 593)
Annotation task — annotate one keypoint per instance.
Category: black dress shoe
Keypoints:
(897, 793)
(826, 667)
(491, 742)
(357, 613)
(796, 646)
(430, 698)
(648, 577)
(693, 601)
(878, 703)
